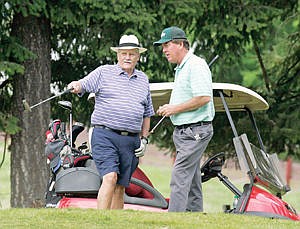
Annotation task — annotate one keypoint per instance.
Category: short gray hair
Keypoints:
(186, 43)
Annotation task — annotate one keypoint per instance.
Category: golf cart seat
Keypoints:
(262, 168)
(156, 201)
(136, 190)
(142, 192)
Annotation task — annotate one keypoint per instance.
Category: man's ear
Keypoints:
(181, 44)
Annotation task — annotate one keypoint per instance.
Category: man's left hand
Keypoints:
(141, 150)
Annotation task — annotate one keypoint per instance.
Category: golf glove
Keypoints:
(141, 151)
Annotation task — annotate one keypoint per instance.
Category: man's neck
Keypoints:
(129, 71)
(181, 56)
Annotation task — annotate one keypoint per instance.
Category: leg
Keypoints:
(118, 197)
(195, 198)
(106, 191)
(128, 164)
(114, 157)
(105, 155)
(187, 159)
(186, 175)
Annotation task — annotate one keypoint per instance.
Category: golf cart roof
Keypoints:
(237, 97)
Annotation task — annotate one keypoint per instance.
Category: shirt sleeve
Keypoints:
(92, 82)
(149, 110)
(201, 81)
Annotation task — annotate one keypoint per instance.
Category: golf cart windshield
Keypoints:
(261, 167)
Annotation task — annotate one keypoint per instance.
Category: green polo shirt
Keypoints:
(192, 78)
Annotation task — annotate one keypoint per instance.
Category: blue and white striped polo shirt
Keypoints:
(121, 102)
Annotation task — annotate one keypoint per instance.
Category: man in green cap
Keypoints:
(191, 110)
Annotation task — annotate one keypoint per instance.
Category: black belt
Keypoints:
(120, 132)
(193, 124)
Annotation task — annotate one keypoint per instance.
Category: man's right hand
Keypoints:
(76, 85)
(140, 152)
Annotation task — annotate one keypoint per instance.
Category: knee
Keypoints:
(110, 178)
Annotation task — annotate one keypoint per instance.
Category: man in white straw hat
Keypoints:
(121, 119)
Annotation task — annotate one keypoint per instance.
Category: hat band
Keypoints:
(174, 38)
(129, 44)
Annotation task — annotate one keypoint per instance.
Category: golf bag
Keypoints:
(73, 172)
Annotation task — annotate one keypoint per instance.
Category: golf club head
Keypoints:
(77, 128)
(66, 105)
(54, 127)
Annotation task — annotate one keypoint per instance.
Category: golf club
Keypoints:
(68, 106)
(28, 108)
(151, 131)
(213, 60)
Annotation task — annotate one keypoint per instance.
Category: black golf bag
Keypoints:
(73, 171)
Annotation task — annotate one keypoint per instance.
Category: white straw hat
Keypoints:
(129, 42)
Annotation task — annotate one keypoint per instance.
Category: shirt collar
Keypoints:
(121, 71)
(185, 59)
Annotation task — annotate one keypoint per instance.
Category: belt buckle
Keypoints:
(124, 133)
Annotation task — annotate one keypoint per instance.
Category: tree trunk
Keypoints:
(29, 171)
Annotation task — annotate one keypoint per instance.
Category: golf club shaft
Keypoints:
(213, 60)
(46, 100)
(151, 131)
(70, 129)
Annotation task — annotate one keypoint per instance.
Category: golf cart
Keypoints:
(262, 196)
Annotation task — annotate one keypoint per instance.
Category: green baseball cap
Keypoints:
(169, 34)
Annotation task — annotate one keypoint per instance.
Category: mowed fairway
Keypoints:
(158, 167)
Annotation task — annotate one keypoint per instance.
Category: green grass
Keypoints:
(78, 218)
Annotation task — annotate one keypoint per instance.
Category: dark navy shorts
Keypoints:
(113, 152)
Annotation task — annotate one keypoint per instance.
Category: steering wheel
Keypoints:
(212, 166)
